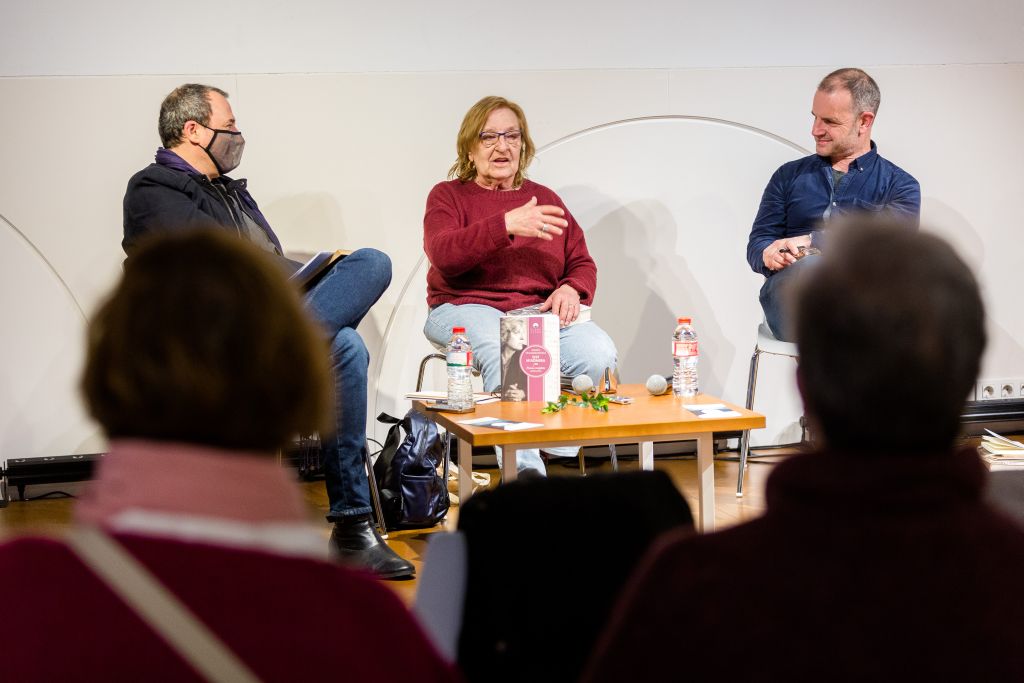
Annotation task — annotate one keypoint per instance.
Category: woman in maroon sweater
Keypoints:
(498, 241)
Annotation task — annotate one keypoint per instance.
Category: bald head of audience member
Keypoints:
(890, 327)
(180, 353)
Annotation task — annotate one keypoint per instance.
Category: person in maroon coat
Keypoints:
(193, 556)
(877, 558)
(498, 241)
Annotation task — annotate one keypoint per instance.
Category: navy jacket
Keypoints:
(171, 195)
(800, 197)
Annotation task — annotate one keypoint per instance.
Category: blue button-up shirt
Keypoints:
(801, 196)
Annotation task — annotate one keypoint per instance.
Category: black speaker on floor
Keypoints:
(546, 561)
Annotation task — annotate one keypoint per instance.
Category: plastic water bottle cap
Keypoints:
(682, 321)
(458, 330)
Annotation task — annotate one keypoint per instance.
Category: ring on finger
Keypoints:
(543, 227)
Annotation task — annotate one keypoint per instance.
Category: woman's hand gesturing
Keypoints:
(530, 220)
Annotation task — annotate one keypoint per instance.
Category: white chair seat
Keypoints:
(766, 343)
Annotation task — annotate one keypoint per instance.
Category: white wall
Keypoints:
(109, 37)
(350, 114)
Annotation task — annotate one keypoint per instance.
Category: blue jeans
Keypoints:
(584, 349)
(339, 302)
(775, 300)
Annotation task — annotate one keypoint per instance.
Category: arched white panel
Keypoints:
(666, 203)
(42, 347)
(402, 348)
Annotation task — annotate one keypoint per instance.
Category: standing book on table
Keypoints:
(530, 368)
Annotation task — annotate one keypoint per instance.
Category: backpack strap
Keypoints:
(158, 607)
(387, 452)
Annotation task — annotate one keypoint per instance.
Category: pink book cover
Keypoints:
(529, 358)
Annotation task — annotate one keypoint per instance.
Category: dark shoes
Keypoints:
(357, 544)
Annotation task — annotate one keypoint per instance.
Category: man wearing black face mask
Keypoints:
(188, 184)
(186, 188)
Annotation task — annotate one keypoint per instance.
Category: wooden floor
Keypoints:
(52, 516)
(729, 509)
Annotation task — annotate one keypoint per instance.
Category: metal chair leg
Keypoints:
(615, 459)
(374, 493)
(745, 437)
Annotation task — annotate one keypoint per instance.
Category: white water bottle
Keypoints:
(460, 363)
(684, 359)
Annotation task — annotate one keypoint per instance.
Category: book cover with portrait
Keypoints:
(529, 358)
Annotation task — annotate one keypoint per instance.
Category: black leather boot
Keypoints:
(357, 544)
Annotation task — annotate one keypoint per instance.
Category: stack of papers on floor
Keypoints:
(1000, 453)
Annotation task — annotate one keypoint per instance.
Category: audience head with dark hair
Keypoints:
(179, 352)
(200, 364)
(877, 556)
(890, 317)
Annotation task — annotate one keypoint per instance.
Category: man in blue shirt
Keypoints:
(844, 175)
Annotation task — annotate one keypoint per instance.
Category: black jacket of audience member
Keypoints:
(865, 568)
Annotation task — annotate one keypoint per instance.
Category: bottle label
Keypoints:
(460, 358)
(684, 349)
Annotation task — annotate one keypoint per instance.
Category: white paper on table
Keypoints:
(496, 423)
(478, 398)
(711, 410)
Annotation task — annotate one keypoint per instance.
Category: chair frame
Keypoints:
(766, 343)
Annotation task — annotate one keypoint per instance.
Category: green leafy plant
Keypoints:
(597, 401)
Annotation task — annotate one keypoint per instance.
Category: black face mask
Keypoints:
(225, 149)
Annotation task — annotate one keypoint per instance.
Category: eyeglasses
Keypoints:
(512, 137)
(226, 131)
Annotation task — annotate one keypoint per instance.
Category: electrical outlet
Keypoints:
(999, 389)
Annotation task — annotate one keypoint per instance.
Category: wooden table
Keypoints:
(647, 420)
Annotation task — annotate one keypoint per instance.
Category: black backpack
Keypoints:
(412, 494)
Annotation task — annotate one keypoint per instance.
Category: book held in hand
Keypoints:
(583, 317)
(315, 268)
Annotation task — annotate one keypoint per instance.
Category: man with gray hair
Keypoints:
(844, 175)
(187, 187)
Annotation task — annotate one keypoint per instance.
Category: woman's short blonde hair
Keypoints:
(204, 341)
(469, 137)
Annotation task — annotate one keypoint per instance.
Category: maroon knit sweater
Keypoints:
(288, 618)
(474, 261)
(865, 567)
